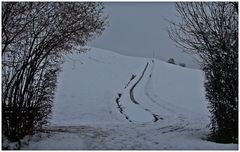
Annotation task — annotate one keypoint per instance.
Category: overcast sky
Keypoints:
(140, 29)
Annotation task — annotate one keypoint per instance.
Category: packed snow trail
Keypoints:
(143, 103)
(129, 91)
(165, 109)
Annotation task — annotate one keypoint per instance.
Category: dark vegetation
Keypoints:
(171, 60)
(209, 30)
(35, 36)
(182, 64)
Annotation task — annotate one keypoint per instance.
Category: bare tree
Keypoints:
(35, 35)
(209, 30)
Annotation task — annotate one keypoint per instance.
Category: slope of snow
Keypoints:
(89, 85)
(108, 101)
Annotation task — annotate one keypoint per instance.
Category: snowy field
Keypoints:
(109, 101)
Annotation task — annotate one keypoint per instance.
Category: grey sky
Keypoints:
(139, 29)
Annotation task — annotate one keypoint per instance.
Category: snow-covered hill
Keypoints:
(106, 100)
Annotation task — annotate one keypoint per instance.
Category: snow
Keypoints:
(100, 105)
(141, 136)
(87, 91)
(56, 141)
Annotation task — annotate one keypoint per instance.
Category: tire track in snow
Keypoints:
(166, 106)
(121, 108)
(131, 90)
(133, 76)
(148, 94)
(155, 116)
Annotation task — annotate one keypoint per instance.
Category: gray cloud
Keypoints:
(139, 29)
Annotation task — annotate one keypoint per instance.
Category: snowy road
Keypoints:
(130, 91)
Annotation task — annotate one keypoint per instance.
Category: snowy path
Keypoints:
(156, 103)
(129, 91)
(156, 117)
(145, 101)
